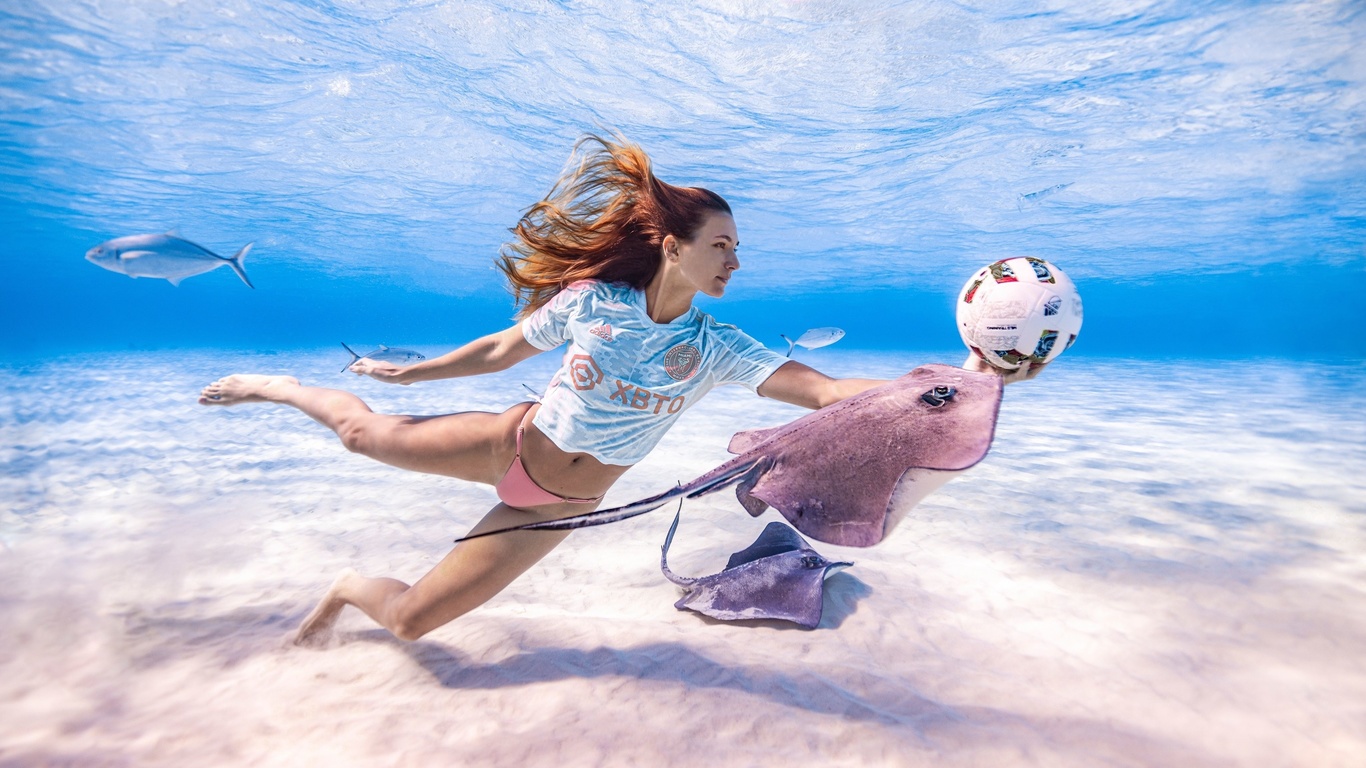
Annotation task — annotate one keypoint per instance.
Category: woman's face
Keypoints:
(708, 260)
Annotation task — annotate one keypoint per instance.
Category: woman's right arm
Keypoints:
(495, 352)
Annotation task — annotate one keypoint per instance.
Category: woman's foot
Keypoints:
(318, 625)
(245, 388)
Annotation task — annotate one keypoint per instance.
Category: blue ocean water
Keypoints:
(1196, 168)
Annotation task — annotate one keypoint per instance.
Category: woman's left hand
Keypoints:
(379, 370)
(1025, 372)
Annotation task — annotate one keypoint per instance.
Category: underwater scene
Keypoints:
(1160, 561)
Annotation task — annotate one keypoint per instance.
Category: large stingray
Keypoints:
(848, 473)
(779, 576)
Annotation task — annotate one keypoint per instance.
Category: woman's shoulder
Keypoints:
(731, 342)
(710, 323)
(579, 293)
(597, 287)
(728, 334)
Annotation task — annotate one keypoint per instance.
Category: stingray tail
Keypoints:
(664, 552)
(709, 483)
(790, 344)
(354, 357)
(588, 519)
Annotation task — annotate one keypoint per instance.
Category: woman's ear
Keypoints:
(669, 247)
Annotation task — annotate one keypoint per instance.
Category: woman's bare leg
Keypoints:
(471, 446)
(466, 578)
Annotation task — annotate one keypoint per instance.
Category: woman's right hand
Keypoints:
(379, 370)
(1025, 372)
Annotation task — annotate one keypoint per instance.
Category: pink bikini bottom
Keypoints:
(517, 489)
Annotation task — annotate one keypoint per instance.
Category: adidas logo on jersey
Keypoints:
(603, 332)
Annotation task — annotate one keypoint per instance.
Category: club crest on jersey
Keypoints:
(682, 361)
(603, 332)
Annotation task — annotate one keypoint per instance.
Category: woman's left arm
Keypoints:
(803, 385)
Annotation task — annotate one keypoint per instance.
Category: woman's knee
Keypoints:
(407, 621)
(406, 631)
(365, 435)
(355, 437)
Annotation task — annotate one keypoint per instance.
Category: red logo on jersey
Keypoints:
(681, 362)
(584, 372)
(603, 332)
(639, 398)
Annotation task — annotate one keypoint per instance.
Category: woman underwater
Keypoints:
(610, 262)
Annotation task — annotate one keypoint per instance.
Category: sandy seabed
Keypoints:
(1160, 563)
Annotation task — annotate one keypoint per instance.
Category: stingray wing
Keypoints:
(789, 586)
(776, 539)
(743, 442)
(833, 473)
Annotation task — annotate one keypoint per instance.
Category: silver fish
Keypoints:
(814, 339)
(395, 355)
(166, 256)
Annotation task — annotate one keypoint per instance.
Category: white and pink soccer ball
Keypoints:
(1017, 310)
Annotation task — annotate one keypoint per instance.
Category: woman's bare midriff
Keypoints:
(575, 475)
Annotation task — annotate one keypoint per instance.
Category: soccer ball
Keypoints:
(1017, 310)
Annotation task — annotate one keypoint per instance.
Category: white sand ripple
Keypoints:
(1158, 564)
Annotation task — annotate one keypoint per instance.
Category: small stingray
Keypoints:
(777, 577)
(848, 473)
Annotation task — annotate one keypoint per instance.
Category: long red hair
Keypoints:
(605, 219)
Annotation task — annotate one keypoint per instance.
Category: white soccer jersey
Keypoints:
(626, 378)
